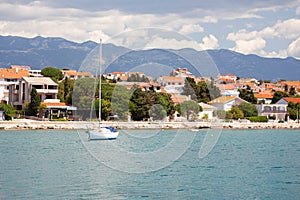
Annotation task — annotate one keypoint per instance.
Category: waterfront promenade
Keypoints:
(20, 124)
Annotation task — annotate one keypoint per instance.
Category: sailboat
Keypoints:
(102, 132)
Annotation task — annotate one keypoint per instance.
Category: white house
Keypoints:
(19, 93)
(207, 111)
(226, 102)
(171, 83)
(271, 110)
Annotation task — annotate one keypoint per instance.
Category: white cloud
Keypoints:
(249, 46)
(191, 28)
(298, 11)
(288, 29)
(255, 41)
(208, 42)
(209, 19)
(294, 48)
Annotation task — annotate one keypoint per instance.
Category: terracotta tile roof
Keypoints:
(224, 99)
(226, 86)
(179, 98)
(13, 73)
(172, 79)
(290, 99)
(263, 96)
(69, 72)
(89, 74)
(23, 67)
(55, 104)
(207, 106)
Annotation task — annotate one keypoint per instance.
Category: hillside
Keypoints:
(39, 52)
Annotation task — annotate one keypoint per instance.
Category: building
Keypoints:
(10, 77)
(264, 97)
(123, 76)
(172, 84)
(227, 78)
(226, 102)
(35, 73)
(20, 67)
(19, 92)
(277, 111)
(73, 74)
(56, 109)
(84, 75)
(207, 111)
(182, 72)
(286, 100)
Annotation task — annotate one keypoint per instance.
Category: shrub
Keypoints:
(258, 119)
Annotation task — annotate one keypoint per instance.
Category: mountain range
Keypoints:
(40, 52)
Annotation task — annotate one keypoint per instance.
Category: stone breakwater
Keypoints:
(30, 124)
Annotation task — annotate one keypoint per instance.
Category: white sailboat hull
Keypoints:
(103, 133)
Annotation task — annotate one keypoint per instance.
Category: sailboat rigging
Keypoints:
(102, 132)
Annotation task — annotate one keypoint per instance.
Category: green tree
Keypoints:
(190, 88)
(65, 89)
(139, 105)
(249, 110)
(166, 102)
(286, 88)
(83, 93)
(157, 112)
(137, 78)
(279, 95)
(203, 94)
(248, 95)
(214, 92)
(236, 113)
(187, 108)
(9, 111)
(120, 101)
(292, 91)
(293, 110)
(35, 101)
(54, 73)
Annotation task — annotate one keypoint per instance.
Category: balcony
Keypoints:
(274, 111)
(47, 91)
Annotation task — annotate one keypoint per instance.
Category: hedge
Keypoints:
(258, 119)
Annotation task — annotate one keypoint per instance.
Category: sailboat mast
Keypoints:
(100, 76)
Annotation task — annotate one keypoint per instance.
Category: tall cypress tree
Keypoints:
(34, 103)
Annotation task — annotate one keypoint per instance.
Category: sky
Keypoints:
(268, 28)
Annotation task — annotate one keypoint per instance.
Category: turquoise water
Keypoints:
(244, 164)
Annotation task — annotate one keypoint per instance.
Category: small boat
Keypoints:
(102, 132)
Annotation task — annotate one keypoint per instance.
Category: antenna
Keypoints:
(100, 77)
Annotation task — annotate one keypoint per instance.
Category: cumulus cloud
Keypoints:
(208, 42)
(255, 41)
(249, 46)
(298, 11)
(191, 28)
(294, 48)
(288, 29)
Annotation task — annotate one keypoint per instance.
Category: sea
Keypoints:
(150, 164)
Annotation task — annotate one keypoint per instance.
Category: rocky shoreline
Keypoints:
(82, 125)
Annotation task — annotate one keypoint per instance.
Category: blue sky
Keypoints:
(269, 28)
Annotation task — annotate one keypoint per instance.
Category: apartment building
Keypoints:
(19, 92)
(10, 77)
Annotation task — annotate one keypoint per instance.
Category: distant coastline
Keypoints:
(23, 124)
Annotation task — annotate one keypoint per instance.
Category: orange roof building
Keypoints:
(9, 77)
